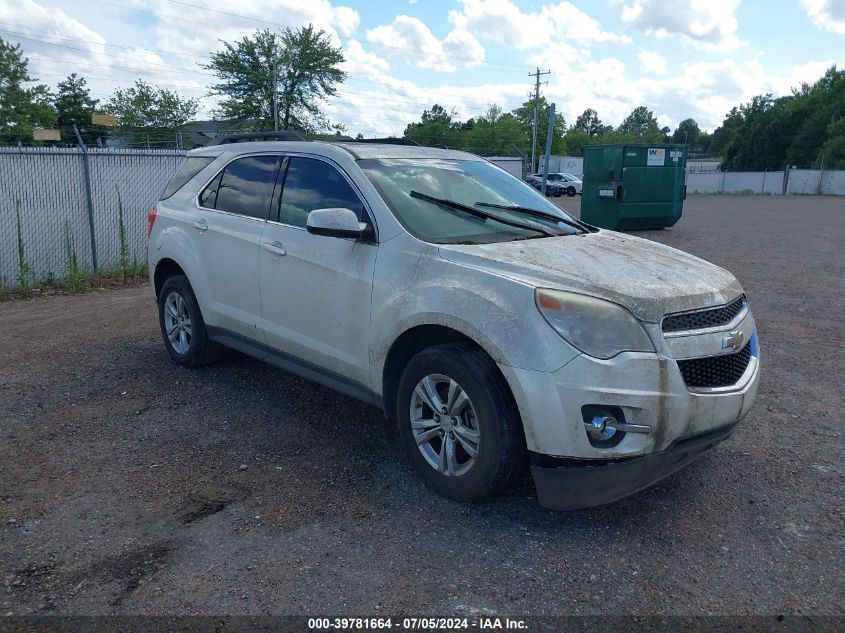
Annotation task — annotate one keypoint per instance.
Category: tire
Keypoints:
(179, 311)
(489, 412)
(570, 191)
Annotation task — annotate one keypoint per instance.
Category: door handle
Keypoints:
(277, 248)
(201, 224)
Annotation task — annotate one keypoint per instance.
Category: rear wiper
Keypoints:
(535, 213)
(451, 204)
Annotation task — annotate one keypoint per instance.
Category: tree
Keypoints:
(641, 125)
(278, 79)
(832, 153)
(724, 134)
(74, 106)
(687, 132)
(21, 109)
(576, 140)
(589, 123)
(493, 133)
(705, 140)
(434, 128)
(148, 114)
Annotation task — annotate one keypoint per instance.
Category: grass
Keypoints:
(76, 278)
(24, 269)
(123, 245)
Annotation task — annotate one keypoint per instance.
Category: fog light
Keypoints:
(601, 428)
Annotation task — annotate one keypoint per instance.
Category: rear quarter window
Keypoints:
(187, 170)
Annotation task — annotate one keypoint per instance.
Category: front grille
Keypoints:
(716, 371)
(711, 317)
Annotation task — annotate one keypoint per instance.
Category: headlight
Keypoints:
(598, 328)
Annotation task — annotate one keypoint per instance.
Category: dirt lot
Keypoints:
(129, 485)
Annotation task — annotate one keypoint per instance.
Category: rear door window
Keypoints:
(313, 184)
(246, 186)
(189, 168)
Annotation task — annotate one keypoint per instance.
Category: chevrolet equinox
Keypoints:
(496, 329)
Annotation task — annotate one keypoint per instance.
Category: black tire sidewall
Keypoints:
(571, 192)
(470, 369)
(196, 351)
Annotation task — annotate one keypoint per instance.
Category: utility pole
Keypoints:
(549, 137)
(536, 76)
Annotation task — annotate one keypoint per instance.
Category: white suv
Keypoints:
(497, 330)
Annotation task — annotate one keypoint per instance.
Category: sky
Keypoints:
(680, 58)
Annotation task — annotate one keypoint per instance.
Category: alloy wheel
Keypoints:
(444, 425)
(177, 322)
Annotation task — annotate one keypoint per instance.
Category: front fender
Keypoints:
(420, 288)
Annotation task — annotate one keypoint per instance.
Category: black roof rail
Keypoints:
(285, 135)
(392, 140)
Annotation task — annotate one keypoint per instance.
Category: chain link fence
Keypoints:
(54, 209)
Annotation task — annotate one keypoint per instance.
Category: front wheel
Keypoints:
(570, 191)
(458, 426)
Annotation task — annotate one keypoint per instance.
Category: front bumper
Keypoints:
(582, 485)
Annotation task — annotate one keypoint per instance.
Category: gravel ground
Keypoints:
(129, 485)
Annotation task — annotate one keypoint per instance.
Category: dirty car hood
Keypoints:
(648, 278)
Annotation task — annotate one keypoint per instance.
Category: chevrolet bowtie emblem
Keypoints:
(733, 340)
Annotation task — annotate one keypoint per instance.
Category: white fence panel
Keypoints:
(138, 179)
(48, 187)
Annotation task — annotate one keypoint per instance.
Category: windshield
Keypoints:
(467, 183)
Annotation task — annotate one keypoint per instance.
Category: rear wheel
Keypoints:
(182, 326)
(459, 427)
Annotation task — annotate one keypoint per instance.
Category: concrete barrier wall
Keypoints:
(736, 182)
(813, 182)
(800, 181)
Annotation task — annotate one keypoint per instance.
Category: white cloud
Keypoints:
(826, 14)
(185, 28)
(652, 62)
(572, 23)
(410, 39)
(346, 20)
(709, 24)
(504, 22)
(559, 57)
(362, 63)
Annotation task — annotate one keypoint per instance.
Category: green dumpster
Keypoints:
(633, 186)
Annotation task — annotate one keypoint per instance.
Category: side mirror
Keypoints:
(335, 222)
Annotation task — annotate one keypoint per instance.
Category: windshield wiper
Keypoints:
(451, 204)
(535, 213)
